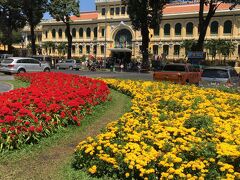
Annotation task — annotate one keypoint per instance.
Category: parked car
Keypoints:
(69, 64)
(22, 64)
(219, 76)
(178, 73)
(44, 58)
(5, 56)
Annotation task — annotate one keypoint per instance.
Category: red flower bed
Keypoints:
(51, 101)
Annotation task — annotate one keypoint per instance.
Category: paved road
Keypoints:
(4, 86)
(108, 74)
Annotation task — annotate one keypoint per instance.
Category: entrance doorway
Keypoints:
(121, 56)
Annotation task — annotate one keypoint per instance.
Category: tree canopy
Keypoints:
(144, 15)
(210, 6)
(11, 19)
(61, 10)
(33, 11)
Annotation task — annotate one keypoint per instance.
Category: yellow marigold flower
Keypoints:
(130, 166)
(127, 175)
(170, 176)
(222, 169)
(93, 169)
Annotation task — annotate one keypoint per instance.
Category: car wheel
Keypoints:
(21, 70)
(57, 67)
(46, 70)
(71, 68)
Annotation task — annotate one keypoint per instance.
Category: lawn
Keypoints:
(18, 84)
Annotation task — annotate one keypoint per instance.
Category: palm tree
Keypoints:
(224, 48)
(187, 45)
(62, 48)
(211, 46)
(48, 45)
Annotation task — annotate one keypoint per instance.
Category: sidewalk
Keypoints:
(3, 85)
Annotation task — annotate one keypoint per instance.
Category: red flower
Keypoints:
(12, 128)
(50, 96)
(4, 130)
(62, 115)
(27, 123)
(39, 128)
(31, 128)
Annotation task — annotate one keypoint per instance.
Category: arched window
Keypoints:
(167, 29)
(214, 27)
(227, 27)
(88, 32)
(46, 34)
(73, 49)
(165, 49)
(60, 33)
(88, 49)
(189, 28)
(65, 32)
(53, 33)
(80, 49)
(156, 30)
(178, 29)
(73, 32)
(81, 32)
(95, 32)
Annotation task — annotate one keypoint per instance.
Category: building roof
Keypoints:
(192, 8)
(85, 16)
(169, 9)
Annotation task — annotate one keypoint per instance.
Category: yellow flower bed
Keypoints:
(171, 132)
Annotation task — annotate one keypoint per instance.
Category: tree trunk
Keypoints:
(203, 31)
(69, 37)
(33, 40)
(203, 24)
(10, 48)
(145, 44)
(9, 41)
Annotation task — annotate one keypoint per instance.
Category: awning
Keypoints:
(120, 50)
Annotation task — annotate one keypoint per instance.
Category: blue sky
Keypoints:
(85, 5)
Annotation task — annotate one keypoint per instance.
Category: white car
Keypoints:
(23, 64)
(69, 64)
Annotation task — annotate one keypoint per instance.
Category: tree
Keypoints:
(211, 46)
(187, 45)
(33, 11)
(61, 10)
(62, 48)
(225, 48)
(11, 19)
(48, 45)
(204, 21)
(144, 15)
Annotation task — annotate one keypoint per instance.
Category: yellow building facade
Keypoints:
(109, 26)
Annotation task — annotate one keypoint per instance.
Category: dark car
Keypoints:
(219, 76)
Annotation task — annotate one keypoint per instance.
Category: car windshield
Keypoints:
(174, 68)
(215, 73)
(7, 61)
